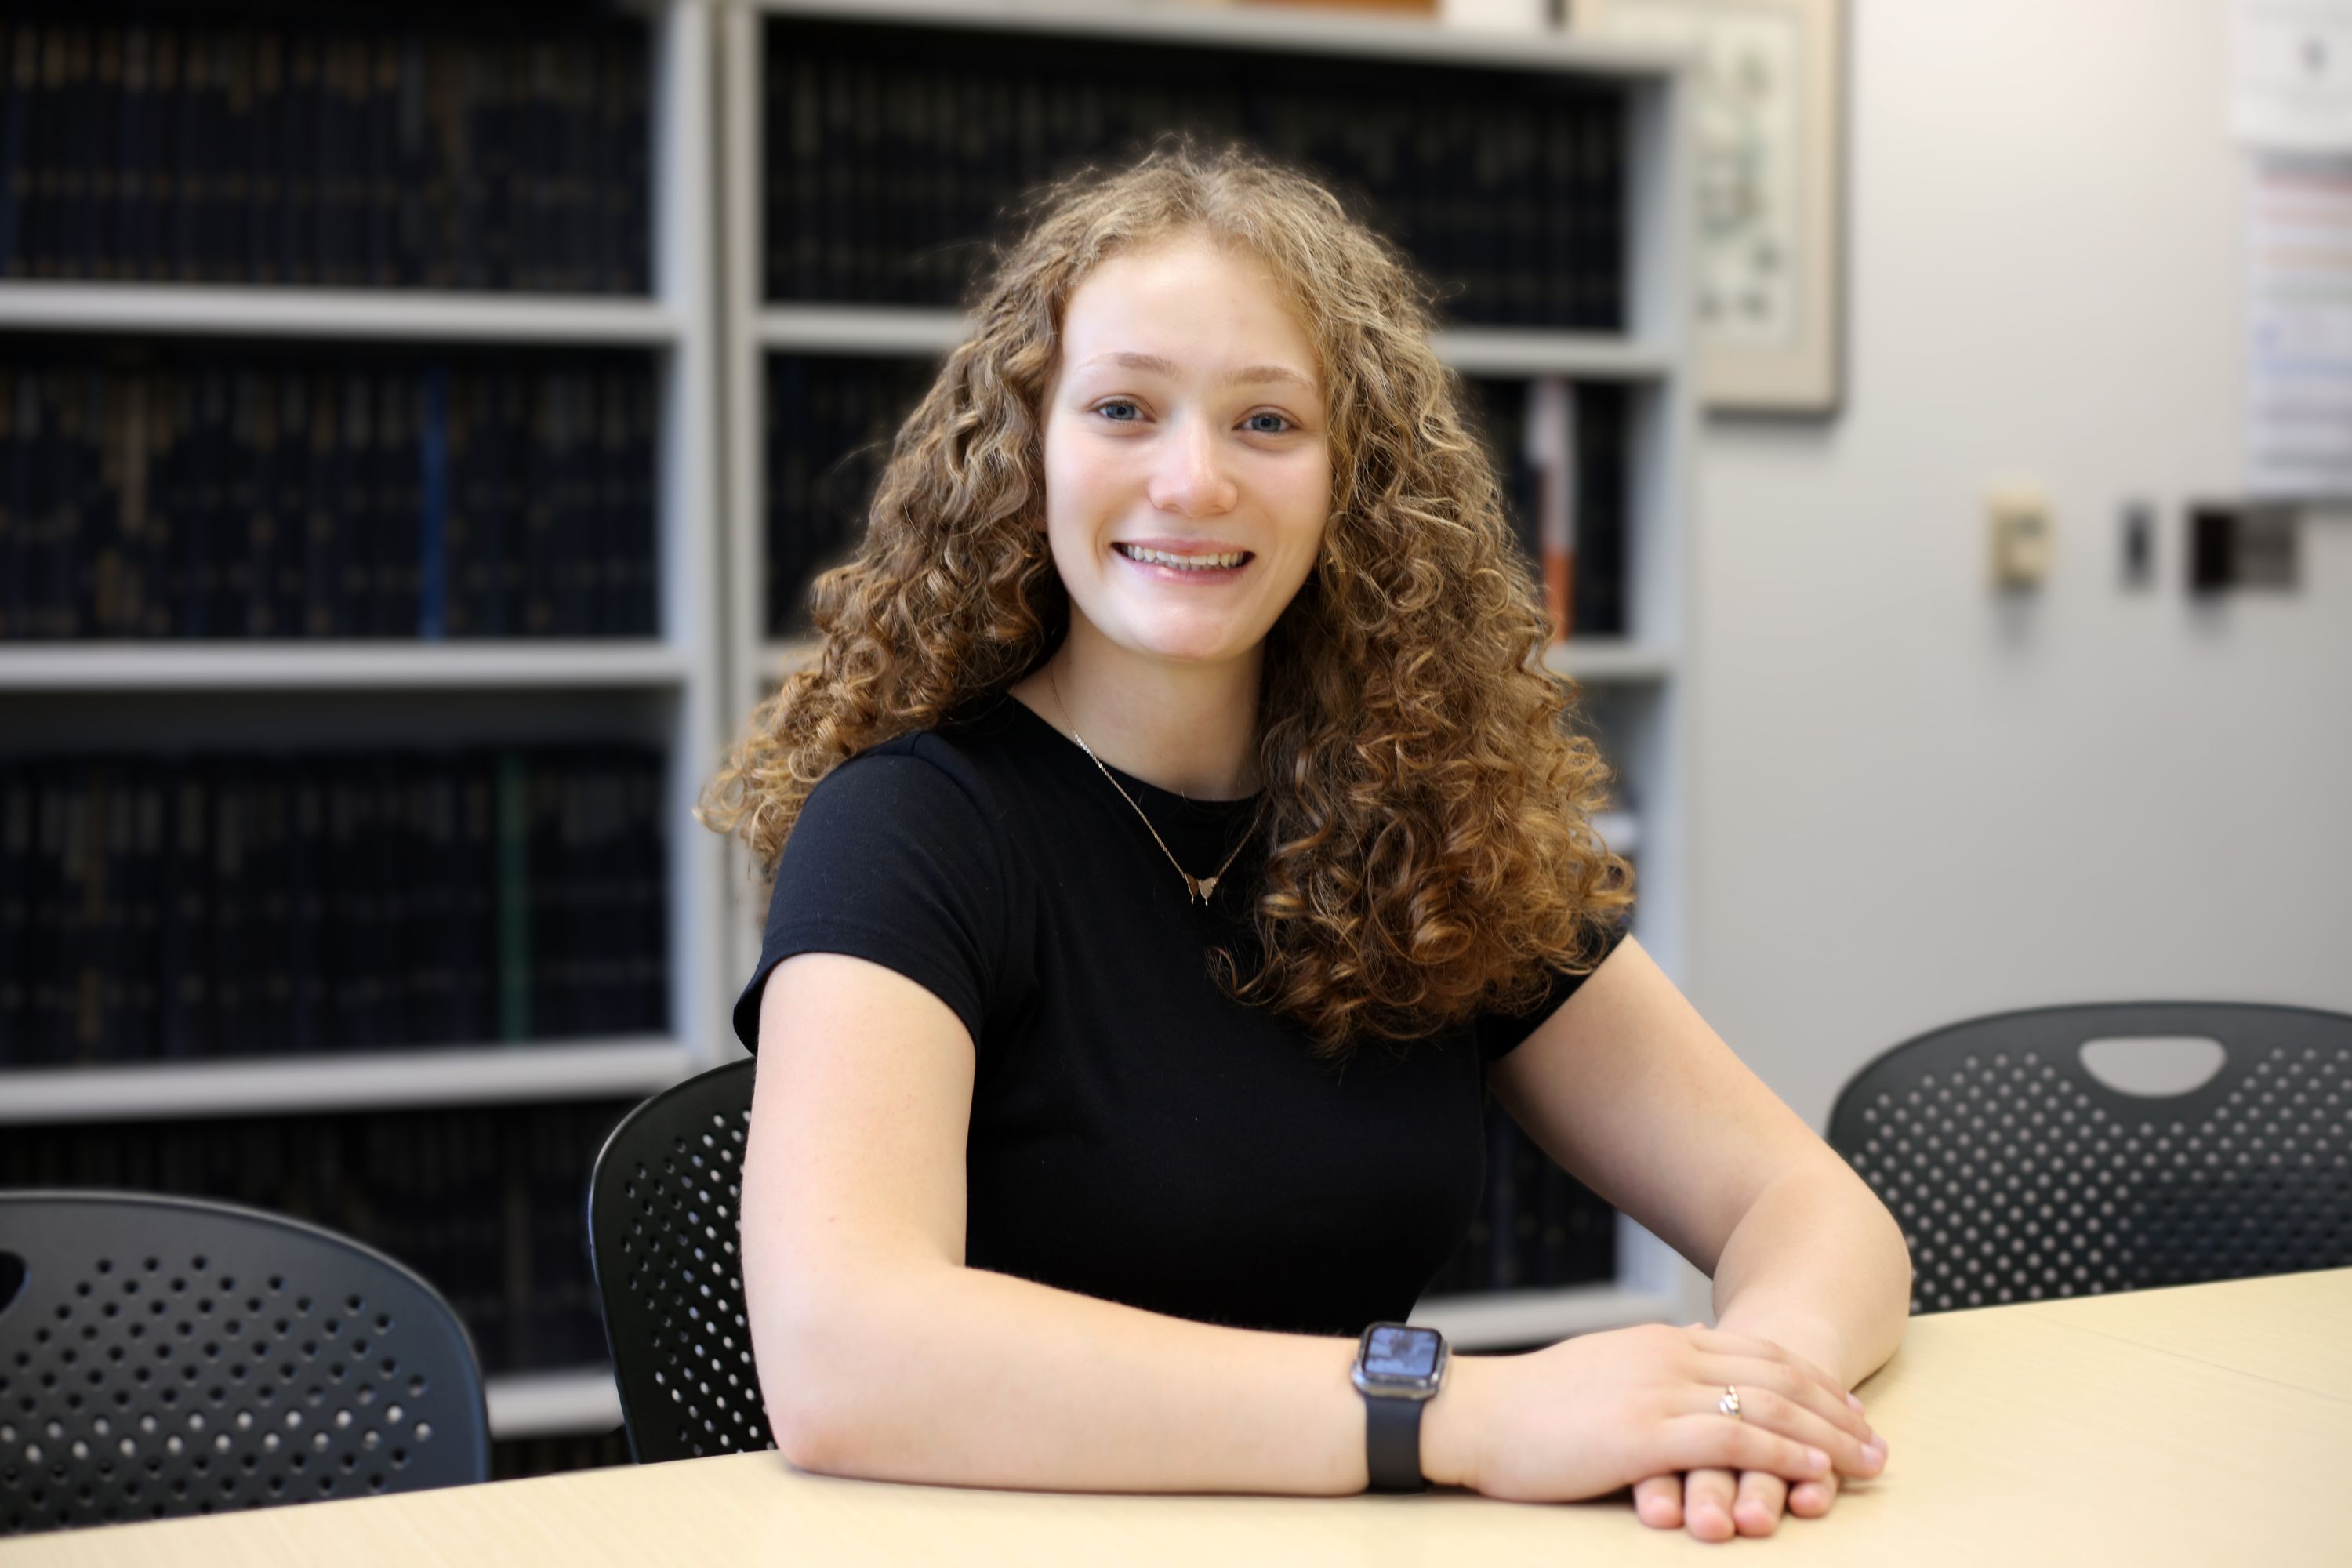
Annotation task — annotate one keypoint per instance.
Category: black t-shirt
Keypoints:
(1136, 1134)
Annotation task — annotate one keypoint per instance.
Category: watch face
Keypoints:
(1400, 1352)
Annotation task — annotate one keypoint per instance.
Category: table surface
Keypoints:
(2206, 1424)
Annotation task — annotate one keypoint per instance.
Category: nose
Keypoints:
(1189, 478)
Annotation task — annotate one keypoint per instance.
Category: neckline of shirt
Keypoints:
(1154, 800)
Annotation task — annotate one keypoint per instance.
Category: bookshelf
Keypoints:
(662, 692)
(1636, 685)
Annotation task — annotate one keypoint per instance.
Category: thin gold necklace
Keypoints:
(1198, 888)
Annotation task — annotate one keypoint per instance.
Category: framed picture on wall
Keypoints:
(1767, 121)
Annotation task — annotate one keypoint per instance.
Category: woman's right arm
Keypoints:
(882, 1356)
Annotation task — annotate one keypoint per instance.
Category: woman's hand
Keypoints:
(1717, 1504)
(1594, 1414)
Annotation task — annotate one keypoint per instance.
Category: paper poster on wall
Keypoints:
(2291, 75)
(2299, 327)
(1766, 112)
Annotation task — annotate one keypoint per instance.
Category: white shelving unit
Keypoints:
(666, 690)
(1638, 686)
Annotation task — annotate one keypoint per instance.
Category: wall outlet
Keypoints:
(2022, 532)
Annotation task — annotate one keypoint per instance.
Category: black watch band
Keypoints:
(1399, 1369)
(1393, 1444)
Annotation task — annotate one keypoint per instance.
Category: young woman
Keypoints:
(1177, 841)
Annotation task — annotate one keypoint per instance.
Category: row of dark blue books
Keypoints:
(145, 145)
(487, 1203)
(893, 152)
(308, 492)
(242, 905)
(1537, 1227)
(830, 420)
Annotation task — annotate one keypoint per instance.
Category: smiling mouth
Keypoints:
(1221, 561)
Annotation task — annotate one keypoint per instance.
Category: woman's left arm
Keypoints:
(1626, 1085)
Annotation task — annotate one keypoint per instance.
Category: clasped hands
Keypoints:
(1639, 1407)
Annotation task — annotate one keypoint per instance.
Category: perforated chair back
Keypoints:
(166, 1356)
(662, 1226)
(2017, 1175)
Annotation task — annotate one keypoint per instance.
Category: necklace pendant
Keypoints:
(1201, 886)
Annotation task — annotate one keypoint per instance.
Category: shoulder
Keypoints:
(948, 784)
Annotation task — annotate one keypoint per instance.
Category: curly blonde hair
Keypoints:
(1425, 819)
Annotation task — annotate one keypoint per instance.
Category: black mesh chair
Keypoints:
(163, 1356)
(662, 1219)
(2017, 1175)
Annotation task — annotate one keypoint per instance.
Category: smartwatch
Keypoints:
(1399, 1369)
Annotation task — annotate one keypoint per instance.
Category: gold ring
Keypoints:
(1730, 1403)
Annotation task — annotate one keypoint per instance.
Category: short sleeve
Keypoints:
(1499, 1034)
(891, 860)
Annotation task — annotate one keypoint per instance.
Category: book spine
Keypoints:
(145, 544)
(324, 612)
(184, 1003)
(1605, 432)
(85, 163)
(234, 908)
(433, 485)
(1550, 451)
(211, 525)
(265, 151)
(647, 858)
(478, 871)
(642, 506)
(45, 1038)
(514, 911)
(87, 526)
(246, 253)
(85, 908)
(20, 428)
(392, 859)
(309, 1018)
(546, 435)
(17, 870)
(20, 83)
(286, 424)
(468, 577)
(415, 173)
(379, 106)
(270, 914)
(302, 153)
(352, 531)
(114, 832)
(396, 470)
(351, 897)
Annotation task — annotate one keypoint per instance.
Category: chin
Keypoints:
(1183, 648)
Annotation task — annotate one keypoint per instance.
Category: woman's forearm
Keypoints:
(953, 1375)
(1818, 1265)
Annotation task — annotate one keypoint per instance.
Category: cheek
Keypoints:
(1079, 475)
(1303, 501)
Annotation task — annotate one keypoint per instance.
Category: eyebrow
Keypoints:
(1248, 375)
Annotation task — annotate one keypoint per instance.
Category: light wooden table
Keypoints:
(2206, 1425)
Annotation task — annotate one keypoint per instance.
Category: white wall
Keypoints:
(1917, 802)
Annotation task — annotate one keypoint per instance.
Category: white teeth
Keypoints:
(1183, 563)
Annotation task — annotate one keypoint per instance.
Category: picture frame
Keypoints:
(1767, 262)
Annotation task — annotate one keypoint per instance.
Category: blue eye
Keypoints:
(1111, 411)
(1268, 425)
